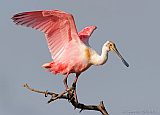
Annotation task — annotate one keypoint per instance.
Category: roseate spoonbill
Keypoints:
(70, 50)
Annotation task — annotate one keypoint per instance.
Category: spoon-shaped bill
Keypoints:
(117, 52)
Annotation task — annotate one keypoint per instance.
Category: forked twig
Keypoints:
(68, 96)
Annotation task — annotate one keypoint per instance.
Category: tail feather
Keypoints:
(47, 65)
(55, 67)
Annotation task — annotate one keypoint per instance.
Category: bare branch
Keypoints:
(68, 95)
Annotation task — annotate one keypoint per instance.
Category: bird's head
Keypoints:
(110, 46)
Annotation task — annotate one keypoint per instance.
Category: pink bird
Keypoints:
(70, 50)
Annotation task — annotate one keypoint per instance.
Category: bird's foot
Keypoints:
(69, 93)
(73, 93)
(55, 97)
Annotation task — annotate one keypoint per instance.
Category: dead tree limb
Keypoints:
(68, 95)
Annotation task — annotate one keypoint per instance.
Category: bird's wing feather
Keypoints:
(85, 33)
(59, 27)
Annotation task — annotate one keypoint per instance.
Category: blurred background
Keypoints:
(134, 25)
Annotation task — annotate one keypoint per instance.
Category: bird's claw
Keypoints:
(46, 93)
(74, 91)
(50, 100)
(71, 93)
(73, 86)
(80, 110)
(53, 99)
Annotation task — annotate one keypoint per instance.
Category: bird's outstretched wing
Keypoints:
(59, 27)
(85, 33)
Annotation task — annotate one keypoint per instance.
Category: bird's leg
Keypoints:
(74, 87)
(66, 86)
(65, 81)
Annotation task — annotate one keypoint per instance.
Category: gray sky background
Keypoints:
(134, 25)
